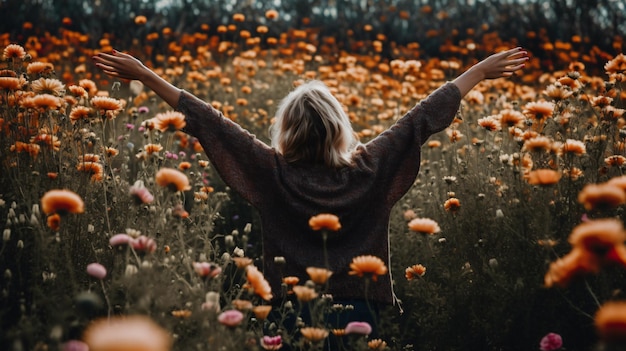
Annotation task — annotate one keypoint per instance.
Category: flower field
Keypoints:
(119, 234)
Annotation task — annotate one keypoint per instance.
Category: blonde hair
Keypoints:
(311, 125)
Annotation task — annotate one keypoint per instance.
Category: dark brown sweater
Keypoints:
(287, 195)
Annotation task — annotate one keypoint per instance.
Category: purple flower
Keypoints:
(130, 126)
(362, 328)
(143, 109)
(550, 342)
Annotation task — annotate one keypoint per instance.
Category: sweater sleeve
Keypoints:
(396, 153)
(243, 162)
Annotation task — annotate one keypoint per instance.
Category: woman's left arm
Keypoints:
(502, 64)
(120, 65)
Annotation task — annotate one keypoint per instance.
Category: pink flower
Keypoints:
(120, 239)
(96, 270)
(272, 342)
(362, 328)
(140, 193)
(550, 342)
(74, 345)
(206, 269)
(143, 243)
(230, 318)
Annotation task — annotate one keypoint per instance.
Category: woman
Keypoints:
(317, 166)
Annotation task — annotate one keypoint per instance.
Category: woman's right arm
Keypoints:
(124, 66)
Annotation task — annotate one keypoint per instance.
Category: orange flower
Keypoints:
(95, 168)
(377, 344)
(511, 118)
(616, 65)
(368, 264)
(603, 195)
(537, 144)
(11, 83)
(242, 305)
(46, 101)
(271, 14)
(325, 221)
(111, 152)
(89, 86)
(424, 225)
(576, 262)
(452, 205)
(415, 271)
(108, 106)
(260, 286)
(169, 121)
(140, 20)
(80, 112)
(490, 123)
(434, 144)
(610, 321)
(242, 262)
(314, 334)
(598, 235)
(239, 17)
(557, 92)
(14, 51)
(39, 68)
(305, 293)
(54, 221)
(125, 333)
(538, 109)
(152, 148)
(543, 177)
(173, 179)
(261, 312)
(291, 280)
(615, 161)
(573, 147)
(184, 165)
(181, 313)
(61, 202)
(319, 275)
(48, 86)
(32, 149)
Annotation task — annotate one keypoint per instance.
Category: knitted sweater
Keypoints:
(287, 195)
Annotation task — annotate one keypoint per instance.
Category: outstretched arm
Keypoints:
(124, 66)
(502, 64)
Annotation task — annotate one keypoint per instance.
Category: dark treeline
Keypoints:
(530, 22)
